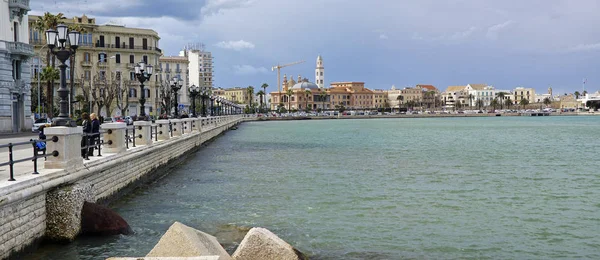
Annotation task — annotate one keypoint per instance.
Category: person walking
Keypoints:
(87, 129)
(95, 138)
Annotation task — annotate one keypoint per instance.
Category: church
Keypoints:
(303, 94)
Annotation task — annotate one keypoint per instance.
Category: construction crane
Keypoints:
(279, 67)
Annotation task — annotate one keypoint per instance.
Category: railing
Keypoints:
(102, 64)
(92, 141)
(11, 161)
(130, 136)
(19, 48)
(86, 63)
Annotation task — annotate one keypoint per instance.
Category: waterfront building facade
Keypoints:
(170, 67)
(414, 95)
(106, 56)
(15, 77)
(431, 96)
(380, 99)
(200, 65)
(359, 96)
(453, 96)
(483, 92)
(237, 95)
(521, 93)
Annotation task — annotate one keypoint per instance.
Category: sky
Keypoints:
(506, 44)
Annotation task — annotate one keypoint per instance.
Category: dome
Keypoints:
(305, 85)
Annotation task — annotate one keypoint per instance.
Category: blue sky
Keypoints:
(510, 43)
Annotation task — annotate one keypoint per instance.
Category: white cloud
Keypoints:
(249, 70)
(216, 6)
(464, 34)
(383, 36)
(492, 32)
(235, 45)
(585, 47)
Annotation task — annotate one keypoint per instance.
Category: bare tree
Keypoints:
(123, 94)
(85, 89)
(104, 91)
(165, 96)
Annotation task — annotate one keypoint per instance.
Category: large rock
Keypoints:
(100, 220)
(213, 257)
(63, 211)
(262, 244)
(183, 241)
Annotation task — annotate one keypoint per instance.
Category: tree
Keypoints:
(46, 22)
(577, 94)
(81, 29)
(264, 86)
(307, 94)
(323, 97)
(479, 103)
(457, 104)
(471, 97)
(165, 93)
(400, 98)
(508, 103)
(547, 101)
(584, 93)
(501, 96)
(105, 91)
(250, 91)
(524, 102)
(494, 104)
(261, 94)
(289, 94)
(49, 75)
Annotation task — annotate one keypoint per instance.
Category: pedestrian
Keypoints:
(95, 137)
(87, 129)
(41, 143)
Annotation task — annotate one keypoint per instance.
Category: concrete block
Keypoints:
(176, 127)
(260, 243)
(114, 137)
(142, 132)
(183, 241)
(163, 129)
(63, 211)
(68, 147)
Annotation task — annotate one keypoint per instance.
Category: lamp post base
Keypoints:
(61, 121)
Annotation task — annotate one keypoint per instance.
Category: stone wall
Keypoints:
(23, 204)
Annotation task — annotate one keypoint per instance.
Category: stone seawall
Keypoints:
(23, 204)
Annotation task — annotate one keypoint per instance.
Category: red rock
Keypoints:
(100, 220)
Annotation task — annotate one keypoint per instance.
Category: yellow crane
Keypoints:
(279, 67)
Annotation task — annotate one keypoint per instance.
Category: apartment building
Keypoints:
(173, 67)
(200, 66)
(108, 52)
(521, 93)
(15, 78)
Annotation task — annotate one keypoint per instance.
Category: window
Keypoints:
(87, 75)
(132, 92)
(145, 44)
(101, 43)
(131, 59)
(86, 56)
(118, 58)
(101, 57)
(118, 75)
(102, 75)
(321, 73)
(131, 75)
(131, 42)
(147, 93)
(145, 58)
(117, 42)
(16, 70)
(16, 31)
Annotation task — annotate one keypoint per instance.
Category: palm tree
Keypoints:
(524, 102)
(494, 104)
(81, 29)
(508, 103)
(584, 93)
(289, 94)
(501, 96)
(400, 98)
(479, 103)
(49, 75)
(261, 94)
(46, 22)
(250, 91)
(264, 86)
(307, 94)
(547, 101)
(323, 96)
(577, 94)
(471, 97)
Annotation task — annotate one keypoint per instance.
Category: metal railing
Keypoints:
(92, 141)
(36, 154)
(130, 136)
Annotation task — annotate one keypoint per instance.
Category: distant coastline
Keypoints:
(423, 116)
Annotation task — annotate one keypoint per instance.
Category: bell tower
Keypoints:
(320, 73)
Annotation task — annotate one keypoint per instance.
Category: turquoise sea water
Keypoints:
(437, 188)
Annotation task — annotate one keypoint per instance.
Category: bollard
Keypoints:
(196, 124)
(177, 127)
(114, 137)
(68, 146)
(142, 132)
(162, 130)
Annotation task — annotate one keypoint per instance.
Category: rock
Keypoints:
(262, 244)
(183, 241)
(212, 257)
(100, 220)
(63, 211)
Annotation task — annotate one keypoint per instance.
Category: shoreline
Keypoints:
(421, 116)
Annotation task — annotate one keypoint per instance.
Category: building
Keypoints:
(104, 50)
(431, 96)
(570, 102)
(476, 92)
(453, 96)
(237, 95)
(320, 73)
(200, 66)
(359, 96)
(539, 98)
(15, 77)
(173, 67)
(521, 93)
(380, 99)
(414, 95)
(393, 94)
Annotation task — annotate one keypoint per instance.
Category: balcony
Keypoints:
(102, 64)
(178, 71)
(17, 48)
(86, 63)
(18, 8)
(167, 70)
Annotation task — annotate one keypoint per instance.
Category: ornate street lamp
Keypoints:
(212, 105)
(219, 106)
(176, 86)
(57, 41)
(194, 91)
(205, 92)
(143, 73)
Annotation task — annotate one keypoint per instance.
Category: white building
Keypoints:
(589, 97)
(174, 67)
(200, 65)
(15, 75)
(320, 73)
(479, 92)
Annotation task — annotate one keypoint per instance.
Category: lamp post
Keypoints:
(205, 92)
(194, 91)
(176, 86)
(219, 106)
(59, 39)
(212, 106)
(143, 73)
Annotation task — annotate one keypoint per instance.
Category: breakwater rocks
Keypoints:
(184, 242)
